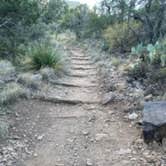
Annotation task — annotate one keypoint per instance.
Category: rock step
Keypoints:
(91, 65)
(63, 100)
(80, 75)
(68, 84)
(82, 68)
(84, 73)
(80, 58)
(76, 75)
(83, 64)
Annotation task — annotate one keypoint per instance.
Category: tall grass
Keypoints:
(43, 55)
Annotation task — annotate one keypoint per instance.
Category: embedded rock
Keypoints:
(154, 121)
(111, 97)
(133, 116)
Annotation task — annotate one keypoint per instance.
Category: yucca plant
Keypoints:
(43, 55)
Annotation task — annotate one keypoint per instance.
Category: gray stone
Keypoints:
(85, 133)
(124, 151)
(39, 138)
(37, 77)
(133, 116)
(154, 121)
(111, 97)
(89, 162)
(100, 136)
(148, 97)
(108, 98)
(35, 155)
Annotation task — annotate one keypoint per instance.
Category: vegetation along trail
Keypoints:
(75, 128)
(83, 83)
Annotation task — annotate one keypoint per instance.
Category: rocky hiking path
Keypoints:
(69, 125)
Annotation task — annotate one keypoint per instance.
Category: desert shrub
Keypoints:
(66, 37)
(151, 54)
(4, 129)
(138, 50)
(138, 69)
(6, 68)
(36, 31)
(30, 80)
(15, 17)
(115, 61)
(159, 75)
(43, 55)
(10, 93)
(120, 37)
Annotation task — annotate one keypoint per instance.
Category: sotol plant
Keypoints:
(43, 55)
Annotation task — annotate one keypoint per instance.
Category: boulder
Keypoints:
(154, 121)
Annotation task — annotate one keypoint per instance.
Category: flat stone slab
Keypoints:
(82, 73)
(154, 121)
(81, 58)
(83, 63)
(57, 99)
(155, 113)
(74, 84)
(78, 67)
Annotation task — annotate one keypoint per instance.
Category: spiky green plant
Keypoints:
(43, 55)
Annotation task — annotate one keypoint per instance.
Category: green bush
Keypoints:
(160, 74)
(151, 54)
(119, 36)
(10, 93)
(115, 61)
(43, 55)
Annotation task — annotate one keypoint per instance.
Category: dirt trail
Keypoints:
(75, 129)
